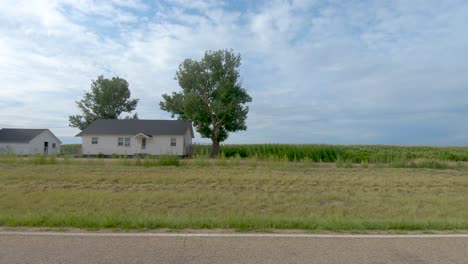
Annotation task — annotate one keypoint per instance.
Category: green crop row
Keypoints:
(332, 153)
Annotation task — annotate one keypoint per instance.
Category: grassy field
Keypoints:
(231, 193)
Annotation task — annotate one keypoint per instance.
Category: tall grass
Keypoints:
(151, 161)
(37, 159)
(428, 164)
(331, 153)
(8, 157)
(168, 161)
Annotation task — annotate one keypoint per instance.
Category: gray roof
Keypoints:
(19, 134)
(135, 126)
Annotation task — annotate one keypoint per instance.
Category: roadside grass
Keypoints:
(125, 221)
(293, 195)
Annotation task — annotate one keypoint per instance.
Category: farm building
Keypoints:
(137, 137)
(28, 141)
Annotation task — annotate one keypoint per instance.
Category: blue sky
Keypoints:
(339, 72)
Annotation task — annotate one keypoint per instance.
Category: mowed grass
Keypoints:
(244, 197)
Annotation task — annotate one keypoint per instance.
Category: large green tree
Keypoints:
(107, 100)
(212, 96)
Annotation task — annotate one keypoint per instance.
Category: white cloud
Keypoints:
(338, 72)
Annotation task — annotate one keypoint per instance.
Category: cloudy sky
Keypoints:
(341, 72)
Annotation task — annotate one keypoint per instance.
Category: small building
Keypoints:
(28, 141)
(137, 137)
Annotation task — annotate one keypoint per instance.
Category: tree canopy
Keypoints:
(108, 99)
(212, 96)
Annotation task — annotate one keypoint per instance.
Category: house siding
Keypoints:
(188, 142)
(18, 148)
(156, 145)
(35, 146)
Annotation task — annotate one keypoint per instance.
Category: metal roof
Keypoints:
(136, 126)
(19, 134)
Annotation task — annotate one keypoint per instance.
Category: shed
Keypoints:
(23, 141)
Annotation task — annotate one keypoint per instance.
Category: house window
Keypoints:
(94, 140)
(127, 142)
(173, 142)
(53, 145)
(120, 141)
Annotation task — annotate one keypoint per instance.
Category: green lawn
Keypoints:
(241, 196)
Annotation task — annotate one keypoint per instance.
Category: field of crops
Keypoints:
(332, 153)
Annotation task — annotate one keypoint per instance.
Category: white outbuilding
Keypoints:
(137, 137)
(28, 141)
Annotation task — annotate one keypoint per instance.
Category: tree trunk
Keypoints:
(214, 149)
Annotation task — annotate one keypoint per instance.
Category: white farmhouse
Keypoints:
(29, 141)
(137, 137)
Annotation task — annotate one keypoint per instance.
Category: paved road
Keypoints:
(201, 248)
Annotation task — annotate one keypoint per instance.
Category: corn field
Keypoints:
(331, 153)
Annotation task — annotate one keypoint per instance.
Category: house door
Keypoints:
(46, 147)
(143, 143)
